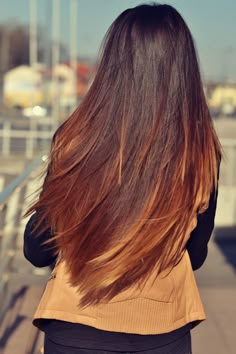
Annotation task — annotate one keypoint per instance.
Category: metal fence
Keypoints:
(13, 203)
(25, 136)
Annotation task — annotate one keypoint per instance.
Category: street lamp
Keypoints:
(33, 45)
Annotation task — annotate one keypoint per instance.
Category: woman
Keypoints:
(128, 204)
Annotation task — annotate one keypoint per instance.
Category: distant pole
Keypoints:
(73, 46)
(5, 49)
(47, 52)
(55, 59)
(33, 45)
(5, 58)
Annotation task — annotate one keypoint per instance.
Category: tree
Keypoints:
(14, 47)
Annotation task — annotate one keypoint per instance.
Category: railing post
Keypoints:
(6, 138)
(30, 140)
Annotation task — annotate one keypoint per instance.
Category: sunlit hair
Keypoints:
(136, 160)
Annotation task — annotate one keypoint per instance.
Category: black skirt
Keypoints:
(180, 346)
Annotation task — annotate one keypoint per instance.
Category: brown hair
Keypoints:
(136, 160)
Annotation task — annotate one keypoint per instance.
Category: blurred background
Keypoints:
(48, 52)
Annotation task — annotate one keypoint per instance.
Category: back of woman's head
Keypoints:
(136, 161)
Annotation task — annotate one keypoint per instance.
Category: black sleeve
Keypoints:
(200, 236)
(34, 251)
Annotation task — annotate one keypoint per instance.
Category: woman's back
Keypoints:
(129, 173)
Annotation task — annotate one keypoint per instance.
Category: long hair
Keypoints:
(135, 162)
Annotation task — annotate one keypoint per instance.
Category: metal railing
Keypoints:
(11, 205)
(26, 136)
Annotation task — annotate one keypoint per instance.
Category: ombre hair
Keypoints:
(135, 162)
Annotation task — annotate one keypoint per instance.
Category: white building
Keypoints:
(22, 87)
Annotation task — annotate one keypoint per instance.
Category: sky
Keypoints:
(212, 23)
